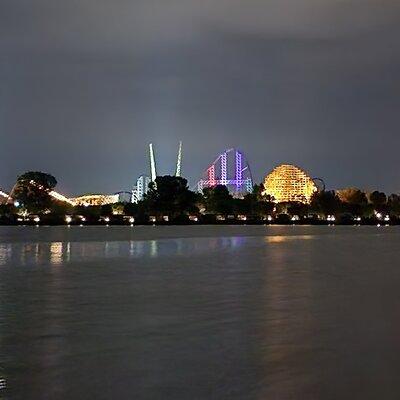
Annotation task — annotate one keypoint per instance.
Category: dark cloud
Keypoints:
(86, 85)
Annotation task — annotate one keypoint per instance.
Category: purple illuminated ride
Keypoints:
(230, 169)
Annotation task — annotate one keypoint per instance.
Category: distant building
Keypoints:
(289, 183)
(95, 200)
(141, 188)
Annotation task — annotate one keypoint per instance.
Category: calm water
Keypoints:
(200, 313)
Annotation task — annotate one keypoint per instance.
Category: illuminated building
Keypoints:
(289, 183)
(95, 200)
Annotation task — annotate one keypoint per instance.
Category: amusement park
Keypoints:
(224, 193)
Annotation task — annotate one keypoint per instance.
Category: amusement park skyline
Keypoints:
(86, 86)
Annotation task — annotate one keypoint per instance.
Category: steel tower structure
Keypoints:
(230, 169)
(153, 169)
(178, 170)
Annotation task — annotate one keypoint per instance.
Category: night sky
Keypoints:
(85, 85)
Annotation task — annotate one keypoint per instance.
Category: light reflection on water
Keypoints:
(269, 317)
(58, 253)
(287, 238)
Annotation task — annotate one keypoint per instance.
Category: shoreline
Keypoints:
(90, 233)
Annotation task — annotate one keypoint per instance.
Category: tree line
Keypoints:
(169, 199)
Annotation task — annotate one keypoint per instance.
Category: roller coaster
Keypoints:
(229, 169)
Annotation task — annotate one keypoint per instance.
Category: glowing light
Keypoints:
(239, 168)
(178, 171)
(36, 219)
(224, 172)
(289, 183)
(331, 218)
(68, 219)
(131, 220)
(153, 169)
(211, 175)
(94, 200)
(60, 197)
(229, 169)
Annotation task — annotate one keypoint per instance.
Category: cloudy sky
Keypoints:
(85, 85)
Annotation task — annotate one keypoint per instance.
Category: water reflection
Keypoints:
(56, 253)
(276, 317)
(59, 253)
(5, 252)
(287, 238)
(153, 248)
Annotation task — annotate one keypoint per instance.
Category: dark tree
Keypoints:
(106, 210)
(170, 195)
(32, 191)
(378, 200)
(295, 208)
(91, 213)
(325, 203)
(394, 204)
(7, 210)
(131, 209)
(354, 202)
(59, 208)
(218, 200)
(256, 205)
(352, 196)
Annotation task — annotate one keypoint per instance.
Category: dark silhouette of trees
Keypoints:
(352, 196)
(255, 205)
(218, 200)
(378, 200)
(325, 203)
(297, 209)
(354, 202)
(393, 204)
(170, 196)
(32, 191)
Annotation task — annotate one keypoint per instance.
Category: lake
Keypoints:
(200, 312)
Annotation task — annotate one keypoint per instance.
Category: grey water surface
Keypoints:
(200, 312)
